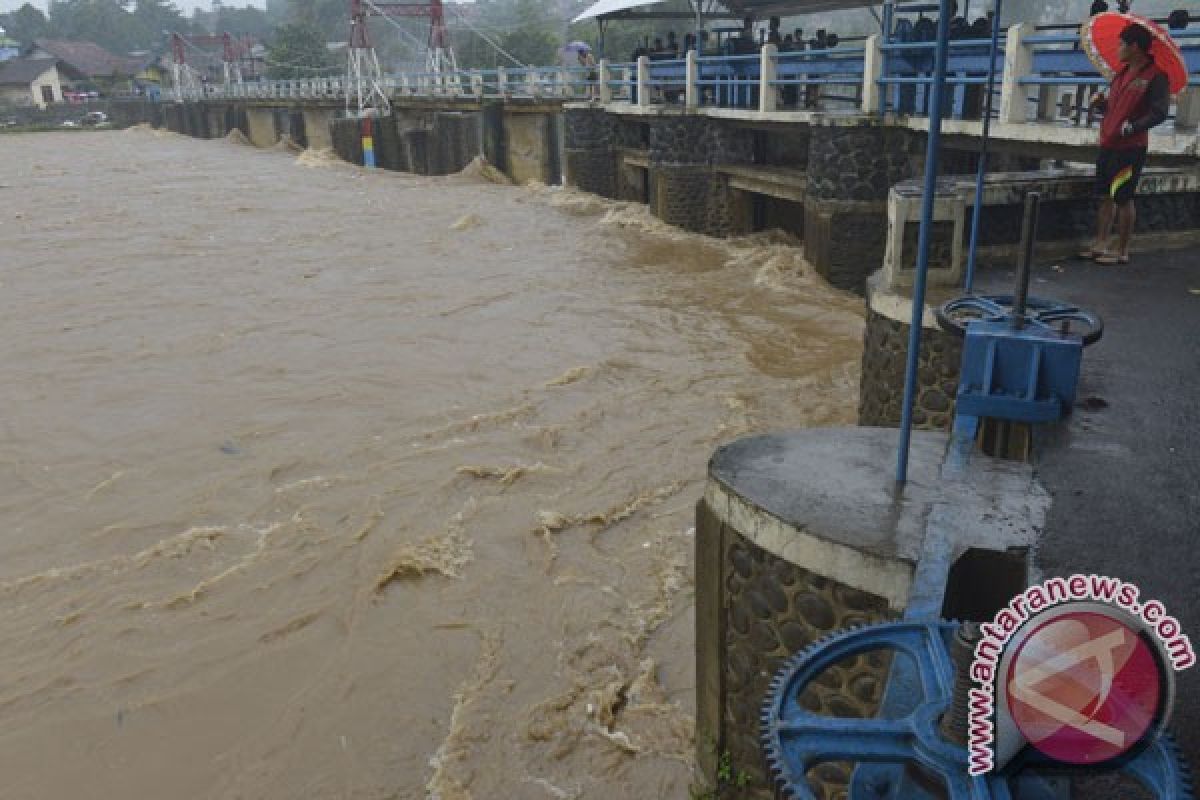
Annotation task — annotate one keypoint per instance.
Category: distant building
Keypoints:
(86, 65)
(30, 82)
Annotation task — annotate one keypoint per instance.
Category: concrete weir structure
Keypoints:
(802, 534)
(799, 534)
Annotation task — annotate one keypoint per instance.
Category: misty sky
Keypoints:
(1045, 10)
(185, 5)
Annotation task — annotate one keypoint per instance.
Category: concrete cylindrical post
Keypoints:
(872, 92)
(1018, 63)
(767, 94)
(643, 81)
(691, 71)
(885, 347)
(605, 82)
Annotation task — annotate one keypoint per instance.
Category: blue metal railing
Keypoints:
(802, 78)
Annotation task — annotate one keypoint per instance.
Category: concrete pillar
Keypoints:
(605, 82)
(261, 122)
(691, 96)
(565, 89)
(885, 350)
(502, 81)
(1018, 63)
(531, 83)
(852, 163)
(872, 72)
(590, 155)
(798, 536)
(316, 127)
(643, 81)
(768, 95)
(532, 147)
(1187, 109)
(687, 191)
(476, 83)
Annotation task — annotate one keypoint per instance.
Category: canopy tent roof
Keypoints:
(612, 9)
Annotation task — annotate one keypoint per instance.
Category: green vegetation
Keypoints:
(298, 51)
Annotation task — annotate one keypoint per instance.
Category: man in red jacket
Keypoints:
(1138, 100)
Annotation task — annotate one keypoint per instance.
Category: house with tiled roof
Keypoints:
(85, 64)
(30, 82)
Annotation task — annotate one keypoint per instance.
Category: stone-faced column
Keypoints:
(799, 536)
(885, 351)
(852, 163)
(591, 155)
(687, 191)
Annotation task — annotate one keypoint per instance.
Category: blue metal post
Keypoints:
(889, 11)
(918, 296)
(983, 146)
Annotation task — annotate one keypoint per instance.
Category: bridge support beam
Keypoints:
(261, 122)
(685, 190)
(800, 535)
(317, 129)
(852, 162)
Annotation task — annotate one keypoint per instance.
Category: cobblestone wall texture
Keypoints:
(693, 198)
(774, 609)
(858, 163)
(589, 129)
(593, 171)
(881, 388)
(844, 246)
(459, 138)
(698, 140)
(346, 141)
(1071, 219)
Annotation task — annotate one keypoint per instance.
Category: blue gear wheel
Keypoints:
(794, 739)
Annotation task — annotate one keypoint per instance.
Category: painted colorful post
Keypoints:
(368, 143)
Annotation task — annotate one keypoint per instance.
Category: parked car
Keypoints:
(92, 118)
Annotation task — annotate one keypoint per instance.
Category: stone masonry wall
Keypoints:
(346, 140)
(772, 609)
(858, 163)
(694, 198)
(698, 140)
(881, 388)
(851, 167)
(590, 146)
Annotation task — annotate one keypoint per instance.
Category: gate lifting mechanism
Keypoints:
(1021, 354)
(1020, 363)
(904, 753)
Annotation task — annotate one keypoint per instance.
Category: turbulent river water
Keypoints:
(324, 483)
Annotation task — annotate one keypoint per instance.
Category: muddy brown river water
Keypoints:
(324, 483)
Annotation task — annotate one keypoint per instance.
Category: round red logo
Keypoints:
(1085, 687)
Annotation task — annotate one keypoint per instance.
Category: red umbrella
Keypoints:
(1101, 36)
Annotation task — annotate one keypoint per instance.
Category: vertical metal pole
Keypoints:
(983, 147)
(1029, 224)
(889, 10)
(918, 298)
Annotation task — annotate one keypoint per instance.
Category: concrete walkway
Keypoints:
(1124, 470)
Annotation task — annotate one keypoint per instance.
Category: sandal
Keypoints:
(1090, 253)
(1111, 259)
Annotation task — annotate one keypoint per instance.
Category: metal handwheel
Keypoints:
(1061, 317)
(794, 740)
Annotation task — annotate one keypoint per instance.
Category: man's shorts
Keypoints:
(1117, 173)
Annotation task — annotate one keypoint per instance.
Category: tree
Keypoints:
(244, 21)
(25, 24)
(298, 51)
